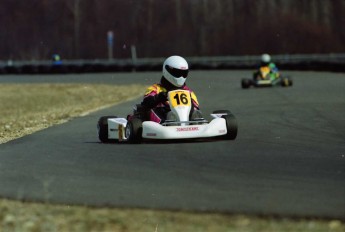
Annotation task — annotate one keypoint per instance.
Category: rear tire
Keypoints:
(246, 83)
(102, 127)
(231, 126)
(286, 81)
(290, 82)
(134, 130)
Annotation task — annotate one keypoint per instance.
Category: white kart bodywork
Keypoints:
(153, 130)
(216, 127)
(117, 129)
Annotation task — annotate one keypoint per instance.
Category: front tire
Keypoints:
(134, 129)
(102, 127)
(231, 126)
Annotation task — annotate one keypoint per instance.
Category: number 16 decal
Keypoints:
(180, 97)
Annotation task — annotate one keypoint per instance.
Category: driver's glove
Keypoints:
(162, 97)
(151, 101)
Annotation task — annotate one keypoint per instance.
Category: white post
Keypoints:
(134, 56)
(134, 53)
(110, 38)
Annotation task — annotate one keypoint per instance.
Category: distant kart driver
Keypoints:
(267, 62)
(175, 72)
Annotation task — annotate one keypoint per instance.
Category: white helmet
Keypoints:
(265, 58)
(175, 70)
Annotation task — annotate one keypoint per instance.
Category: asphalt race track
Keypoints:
(288, 158)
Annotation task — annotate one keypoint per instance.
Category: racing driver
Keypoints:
(175, 72)
(266, 61)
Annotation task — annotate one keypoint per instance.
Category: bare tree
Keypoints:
(76, 29)
(74, 7)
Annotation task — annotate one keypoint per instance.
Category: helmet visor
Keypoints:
(177, 72)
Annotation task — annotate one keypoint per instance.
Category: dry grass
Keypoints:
(28, 108)
(17, 216)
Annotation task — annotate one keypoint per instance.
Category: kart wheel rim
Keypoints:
(128, 131)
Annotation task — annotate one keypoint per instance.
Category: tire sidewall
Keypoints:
(102, 127)
(231, 127)
(134, 130)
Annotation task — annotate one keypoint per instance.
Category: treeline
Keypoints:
(77, 29)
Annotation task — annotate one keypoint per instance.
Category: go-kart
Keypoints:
(136, 128)
(265, 78)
